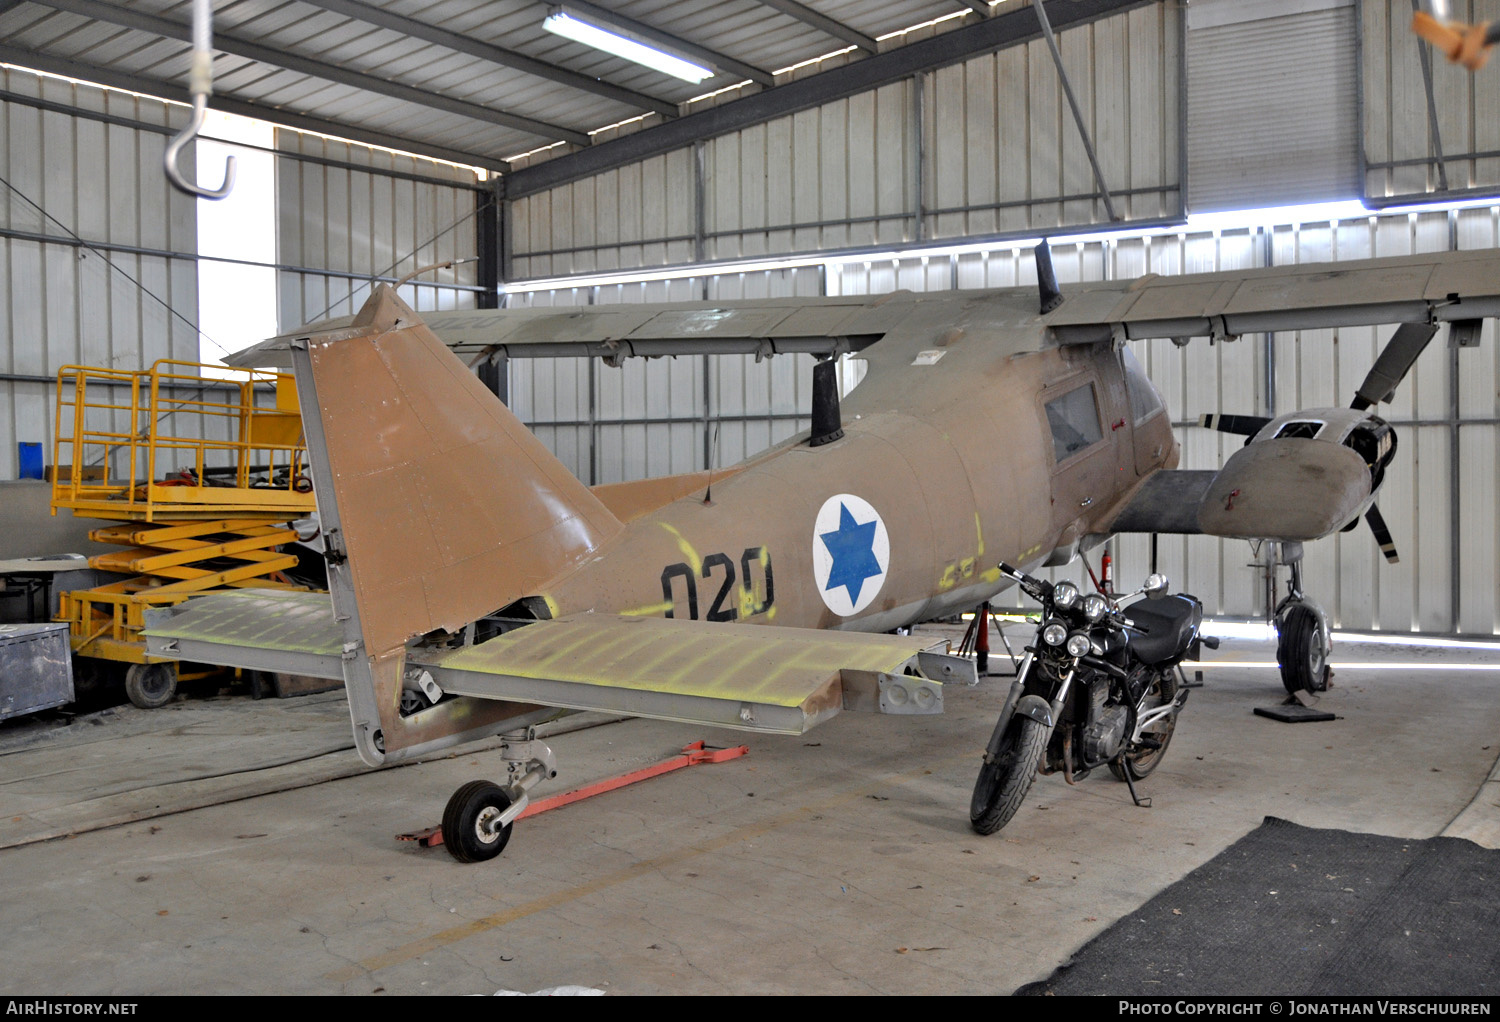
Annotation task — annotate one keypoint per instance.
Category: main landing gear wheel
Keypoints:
(1003, 783)
(1300, 651)
(469, 831)
(151, 685)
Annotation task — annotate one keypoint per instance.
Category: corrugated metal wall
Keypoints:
(662, 416)
(62, 303)
(1400, 151)
(339, 226)
(999, 152)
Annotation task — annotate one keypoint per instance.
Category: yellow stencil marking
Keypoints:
(688, 553)
(649, 610)
(950, 576)
(979, 535)
(966, 567)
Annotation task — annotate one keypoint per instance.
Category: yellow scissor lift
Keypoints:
(204, 481)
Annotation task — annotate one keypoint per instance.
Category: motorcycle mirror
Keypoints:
(1156, 585)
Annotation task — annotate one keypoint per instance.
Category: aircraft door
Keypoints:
(1151, 435)
(1083, 464)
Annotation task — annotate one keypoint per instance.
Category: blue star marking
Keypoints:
(853, 550)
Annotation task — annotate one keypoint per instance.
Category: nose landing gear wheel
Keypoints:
(151, 685)
(469, 831)
(1300, 651)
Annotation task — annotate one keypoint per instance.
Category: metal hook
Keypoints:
(200, 85)
(182, 138)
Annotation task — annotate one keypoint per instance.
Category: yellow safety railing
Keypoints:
(167, 442)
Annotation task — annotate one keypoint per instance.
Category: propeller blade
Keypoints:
(1242, 425)
(1394, 363)
(1382, 534)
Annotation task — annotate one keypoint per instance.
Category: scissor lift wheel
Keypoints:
(151, 685)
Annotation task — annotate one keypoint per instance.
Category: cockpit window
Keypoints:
(1301, 430)
(1074, 419)
(1144, 400)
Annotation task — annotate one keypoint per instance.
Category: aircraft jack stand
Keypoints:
(499, 824)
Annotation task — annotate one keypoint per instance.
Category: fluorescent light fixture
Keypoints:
(560, 22)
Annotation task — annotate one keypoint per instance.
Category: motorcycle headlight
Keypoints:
(1095, 606)
(1078, 644)
(1054, 633)
(1065, 594)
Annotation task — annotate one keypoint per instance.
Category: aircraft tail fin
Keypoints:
(444, 505)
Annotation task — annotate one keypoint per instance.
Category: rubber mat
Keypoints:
(1291, 910)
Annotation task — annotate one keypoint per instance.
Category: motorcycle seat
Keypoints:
(1161, 629)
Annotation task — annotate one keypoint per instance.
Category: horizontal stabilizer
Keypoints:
(753, 678)
(278, 630)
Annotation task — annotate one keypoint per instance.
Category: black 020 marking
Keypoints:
(718, 612)
(667, 574)
(757, 555)
(747, 599)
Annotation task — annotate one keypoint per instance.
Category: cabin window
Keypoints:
(1074, 419)
(1144, 400)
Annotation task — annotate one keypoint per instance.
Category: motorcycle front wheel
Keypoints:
(1141, 760)
(1002, 784)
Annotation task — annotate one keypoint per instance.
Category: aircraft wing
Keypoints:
(780, 680)
(1440, 287)
(767, 326)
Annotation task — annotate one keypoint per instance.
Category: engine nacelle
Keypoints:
(1303, 476)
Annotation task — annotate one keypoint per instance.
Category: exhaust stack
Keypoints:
(826, 424)
(1046, 278)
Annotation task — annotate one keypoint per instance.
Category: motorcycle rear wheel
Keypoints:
(1141, 761)
(1002, 785)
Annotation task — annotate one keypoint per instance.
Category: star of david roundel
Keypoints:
(851, 552)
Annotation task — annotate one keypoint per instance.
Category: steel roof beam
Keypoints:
(982, 36)
(270, 56)
(823, 23)
(22, 57)
(383, 18)
(719, 60)
(979, 7)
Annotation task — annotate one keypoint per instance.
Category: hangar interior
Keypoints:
(833, 148)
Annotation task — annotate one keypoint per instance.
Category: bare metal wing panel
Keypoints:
(1440, 287)
(783, 680)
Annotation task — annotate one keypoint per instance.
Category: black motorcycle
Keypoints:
(1099, 686)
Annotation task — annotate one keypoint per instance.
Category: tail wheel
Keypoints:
(469, 831)
(1143, 759)
(1003, 783)
(151, 685)
(1300, 652)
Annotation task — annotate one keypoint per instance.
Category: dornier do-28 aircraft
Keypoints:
(479, 588)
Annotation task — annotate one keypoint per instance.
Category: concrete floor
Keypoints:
(839, 862)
